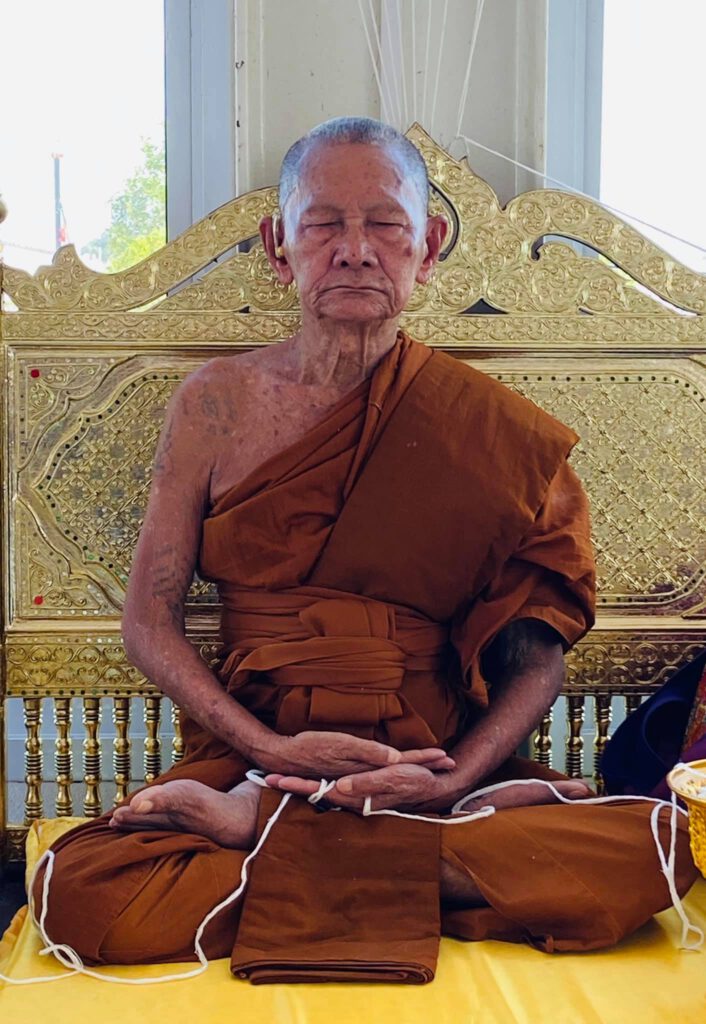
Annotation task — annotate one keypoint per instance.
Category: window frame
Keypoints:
(200, 109)
(574, 93)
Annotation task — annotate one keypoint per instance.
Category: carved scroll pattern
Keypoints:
(496, 254)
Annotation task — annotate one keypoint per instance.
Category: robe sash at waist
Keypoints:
(338, 662)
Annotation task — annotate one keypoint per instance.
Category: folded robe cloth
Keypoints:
(330, 911)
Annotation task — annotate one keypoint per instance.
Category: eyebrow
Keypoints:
(319, 209)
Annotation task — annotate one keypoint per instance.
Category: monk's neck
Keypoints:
(341, 355)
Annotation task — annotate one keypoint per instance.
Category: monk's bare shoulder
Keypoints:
(223, 419)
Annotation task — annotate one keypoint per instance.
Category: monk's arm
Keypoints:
(163, 568)
(525, 665)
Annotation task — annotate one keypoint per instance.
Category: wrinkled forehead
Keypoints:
(353, 175)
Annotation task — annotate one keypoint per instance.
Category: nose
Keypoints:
(353, 249)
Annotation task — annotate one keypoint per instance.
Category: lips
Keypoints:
(352, 288)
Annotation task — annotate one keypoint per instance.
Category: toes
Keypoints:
(148, 800)
(137, 822)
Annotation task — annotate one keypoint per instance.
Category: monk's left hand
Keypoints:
(409, 787)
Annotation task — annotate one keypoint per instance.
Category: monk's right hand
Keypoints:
(330, 755)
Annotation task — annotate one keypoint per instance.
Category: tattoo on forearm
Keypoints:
(171, 579)
(163, 455)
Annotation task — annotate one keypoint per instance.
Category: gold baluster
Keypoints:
(62, 756)
(33, 758)
(542, 742)
(92, 757)
(574, 739)
(603, 718)
(121, 747)
(632, 702)
(153, 744)
(177, 740)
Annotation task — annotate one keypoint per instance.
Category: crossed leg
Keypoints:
(230, 819)
(565, 877)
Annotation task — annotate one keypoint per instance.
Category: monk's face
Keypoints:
(356, 235)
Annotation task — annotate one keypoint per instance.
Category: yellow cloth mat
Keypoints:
(646, 980)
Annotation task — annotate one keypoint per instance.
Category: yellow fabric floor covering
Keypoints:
(646, 980)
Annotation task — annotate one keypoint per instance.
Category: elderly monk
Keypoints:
(402, 554)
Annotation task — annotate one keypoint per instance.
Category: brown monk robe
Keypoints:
(351, 604)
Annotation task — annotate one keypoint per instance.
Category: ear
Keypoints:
(272, 235)
(433, 240)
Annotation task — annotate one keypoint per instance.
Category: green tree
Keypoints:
(137, 215)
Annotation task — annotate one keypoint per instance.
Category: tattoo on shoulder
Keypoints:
(217, 410)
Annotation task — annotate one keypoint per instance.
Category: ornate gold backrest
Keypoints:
(614, 346)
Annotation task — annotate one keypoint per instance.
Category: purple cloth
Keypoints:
(649, 742)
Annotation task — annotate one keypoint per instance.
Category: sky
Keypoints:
(84, 78)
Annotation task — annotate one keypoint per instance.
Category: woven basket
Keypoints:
(691, 788)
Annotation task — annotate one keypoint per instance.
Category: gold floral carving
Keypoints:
(629, 662)
(496, 254)
(623, 661)
(70, 284)
(83, 479)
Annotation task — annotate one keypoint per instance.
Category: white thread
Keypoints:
(70, 959)
(403, 73)
(425, 90)
(373, 59)
(389, 66)
(578, 192)
(466, 81)
(414, 60)
(667, 864)
(438, 62)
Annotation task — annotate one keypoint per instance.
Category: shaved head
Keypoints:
(363, 130)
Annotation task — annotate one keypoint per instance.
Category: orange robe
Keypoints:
(362, 572)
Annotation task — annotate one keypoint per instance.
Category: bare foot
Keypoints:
(527, 794)
(184, 805)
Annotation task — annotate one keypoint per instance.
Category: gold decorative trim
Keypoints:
(69, 284)
(495, 254)
(226, 332)
(628, 664)
(80, 666)
(615, 661)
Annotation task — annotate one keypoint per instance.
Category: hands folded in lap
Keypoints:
(413, 779)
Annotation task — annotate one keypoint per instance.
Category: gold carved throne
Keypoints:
(614, 346)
